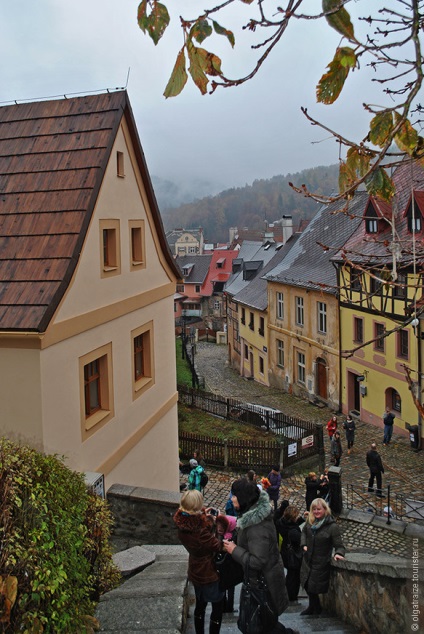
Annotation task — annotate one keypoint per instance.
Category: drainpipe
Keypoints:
(420, 421)
(339, 334)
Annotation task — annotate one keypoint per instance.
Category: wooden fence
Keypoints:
(295, 439)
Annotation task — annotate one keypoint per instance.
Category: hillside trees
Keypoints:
(384, 36)
(250, 206)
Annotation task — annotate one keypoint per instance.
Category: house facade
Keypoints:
(186, 241)
(303, 312)
(86, 309)
(380, 276)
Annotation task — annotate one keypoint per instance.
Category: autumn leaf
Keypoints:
(406, 138)
(381, 127)
(339, 20)
(178, 78)
(156, 22)
(220, 30)
(345, 177)
(331, 83)
(357, 161)
(196, 68)
(380, 184)
(201, 30)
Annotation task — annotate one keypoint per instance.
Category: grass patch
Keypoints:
(197, 422)
(183, 369)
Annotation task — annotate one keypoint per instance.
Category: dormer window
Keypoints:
(371, 219)
(414, 216)
(371, 225)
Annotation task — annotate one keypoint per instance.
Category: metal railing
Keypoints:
(391, 505)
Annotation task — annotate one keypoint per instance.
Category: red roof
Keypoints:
(220, 269)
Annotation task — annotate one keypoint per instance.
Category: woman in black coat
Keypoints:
(289, 529)
(320, 536)
(257, 543)
(312, 488)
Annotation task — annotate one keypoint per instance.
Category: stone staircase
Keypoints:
(291, 618)
(158, 600)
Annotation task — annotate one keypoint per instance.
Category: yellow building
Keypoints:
(303, 316)
(380, 296)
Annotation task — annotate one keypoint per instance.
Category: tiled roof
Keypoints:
(375, 249)
(250, 251)
(219, 269)
(199, 267)
(308, 264)
(53, 156)
(255, 294)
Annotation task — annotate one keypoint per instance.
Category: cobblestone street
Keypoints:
(404, 469)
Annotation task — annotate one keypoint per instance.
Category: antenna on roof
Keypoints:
(128, 77)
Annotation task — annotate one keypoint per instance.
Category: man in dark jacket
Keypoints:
(376, 469)
(388, 420)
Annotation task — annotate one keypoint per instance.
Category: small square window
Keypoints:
(143, 363)
(137, 247)
(120, 164)
(110, 248)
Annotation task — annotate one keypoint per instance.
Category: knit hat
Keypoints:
(193, 463)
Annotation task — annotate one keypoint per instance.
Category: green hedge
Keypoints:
(54, 538)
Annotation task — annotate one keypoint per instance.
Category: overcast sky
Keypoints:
(56, 47)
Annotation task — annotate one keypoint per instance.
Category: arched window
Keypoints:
(393, 400)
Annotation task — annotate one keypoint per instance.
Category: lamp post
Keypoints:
(193, 372)
(183, 329)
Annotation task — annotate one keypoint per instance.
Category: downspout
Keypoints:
(339, 333)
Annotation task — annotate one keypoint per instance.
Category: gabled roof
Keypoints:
(53, 156)
(175, 234)
(219, 269)
(308, 264)
(375, 249)
(250, 252)
(198, 267)
(255, 294)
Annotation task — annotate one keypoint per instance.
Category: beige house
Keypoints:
(86, 294)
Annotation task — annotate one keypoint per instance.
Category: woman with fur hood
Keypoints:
(197, 533)
(320, 536)
(257, 543)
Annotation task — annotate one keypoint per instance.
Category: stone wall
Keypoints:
(375, 593)
(144, 514)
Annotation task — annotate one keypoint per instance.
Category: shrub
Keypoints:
(53, 541)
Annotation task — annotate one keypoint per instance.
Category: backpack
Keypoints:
(204, 479)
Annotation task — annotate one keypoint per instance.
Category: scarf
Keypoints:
(317, 525)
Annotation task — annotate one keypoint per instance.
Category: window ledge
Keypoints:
(108, 269)
(142, 383)
(96, 418)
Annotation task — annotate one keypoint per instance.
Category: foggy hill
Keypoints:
(250, 206)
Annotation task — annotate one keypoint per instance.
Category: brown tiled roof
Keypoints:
(374, 249)
(53, 156)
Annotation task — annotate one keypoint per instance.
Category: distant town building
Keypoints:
(186, 241)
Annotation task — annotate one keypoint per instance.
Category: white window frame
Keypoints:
(280, 353)
(279, 305)
(301, 368)
(300, 312)
(322, 317)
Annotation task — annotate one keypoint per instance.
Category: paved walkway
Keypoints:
(404, 469)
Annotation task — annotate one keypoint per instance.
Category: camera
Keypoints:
(213, 512)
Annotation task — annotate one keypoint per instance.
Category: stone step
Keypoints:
(291, 618)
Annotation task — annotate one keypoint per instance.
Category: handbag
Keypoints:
(256, 612)
(293, 557)
(230, 571)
